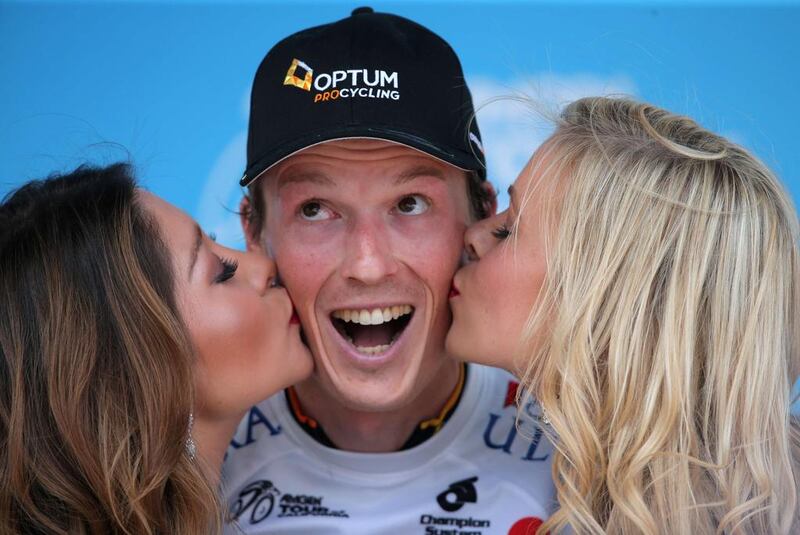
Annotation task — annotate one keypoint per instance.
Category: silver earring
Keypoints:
(191, 447)
(543, 418)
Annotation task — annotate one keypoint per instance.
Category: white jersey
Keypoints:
(478, 475)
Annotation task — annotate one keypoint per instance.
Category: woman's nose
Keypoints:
(259, 270)
(475, 240)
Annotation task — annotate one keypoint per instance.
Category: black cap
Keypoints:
(370, 75)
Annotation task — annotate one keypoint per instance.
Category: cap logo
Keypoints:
(344, 83)
(292, 78)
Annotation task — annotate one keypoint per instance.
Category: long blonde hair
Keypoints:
(96, 367)
(670, 318)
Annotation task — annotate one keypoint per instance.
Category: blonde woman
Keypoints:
(645, 285)
(131, 345)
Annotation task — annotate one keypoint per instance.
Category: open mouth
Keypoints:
(372, 331)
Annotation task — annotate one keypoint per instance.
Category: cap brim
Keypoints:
(457, 158)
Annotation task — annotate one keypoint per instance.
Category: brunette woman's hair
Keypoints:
(96, 382)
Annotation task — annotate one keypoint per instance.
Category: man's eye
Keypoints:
(314, 211)
(413, 205)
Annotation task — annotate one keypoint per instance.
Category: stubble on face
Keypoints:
(362, 253)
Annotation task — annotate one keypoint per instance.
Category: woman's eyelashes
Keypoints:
(502, 232)
(228, 270)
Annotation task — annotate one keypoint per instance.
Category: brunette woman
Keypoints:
(130, 347)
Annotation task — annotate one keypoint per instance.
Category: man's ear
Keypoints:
(251, 234)
(490, 204)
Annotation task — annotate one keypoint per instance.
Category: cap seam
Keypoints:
(304, 147)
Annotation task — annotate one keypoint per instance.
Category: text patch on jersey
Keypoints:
(452, 499)
(261, 499)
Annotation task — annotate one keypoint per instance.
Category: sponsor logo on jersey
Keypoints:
(526, 526)
(446, 525)
(261, 499)
(457, 494)
(257, 424)
(526, 440)
(452, 499)
(257, 498)
(511, 394)
(343, 83)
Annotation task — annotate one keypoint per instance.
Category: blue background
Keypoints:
(166, 85)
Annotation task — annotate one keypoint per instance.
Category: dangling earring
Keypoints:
(543, 418)
(191, 447)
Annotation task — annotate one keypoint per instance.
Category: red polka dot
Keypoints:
(526, 526)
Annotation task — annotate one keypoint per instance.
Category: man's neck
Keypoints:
(377, 432)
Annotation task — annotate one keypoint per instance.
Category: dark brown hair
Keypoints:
(96, 380)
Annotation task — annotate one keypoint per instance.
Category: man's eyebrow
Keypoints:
(420, 170)
(198, 241)
(305, 176)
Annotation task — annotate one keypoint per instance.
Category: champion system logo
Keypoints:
(457, 494)
(343, 83)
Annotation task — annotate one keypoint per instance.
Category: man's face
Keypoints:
(367, 235)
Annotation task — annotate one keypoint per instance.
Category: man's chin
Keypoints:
(379, 382)
(372, 399)
(376, 389)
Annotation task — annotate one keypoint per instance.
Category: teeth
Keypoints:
(375, 350)
(375, 316)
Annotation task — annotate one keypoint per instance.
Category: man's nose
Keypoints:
(369, 254)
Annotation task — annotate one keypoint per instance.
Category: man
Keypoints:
(364, 167)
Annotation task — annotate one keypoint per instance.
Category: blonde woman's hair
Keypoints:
(670, 323)
(96, 367)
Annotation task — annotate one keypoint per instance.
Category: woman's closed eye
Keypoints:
(502, 232)
(228, 270)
